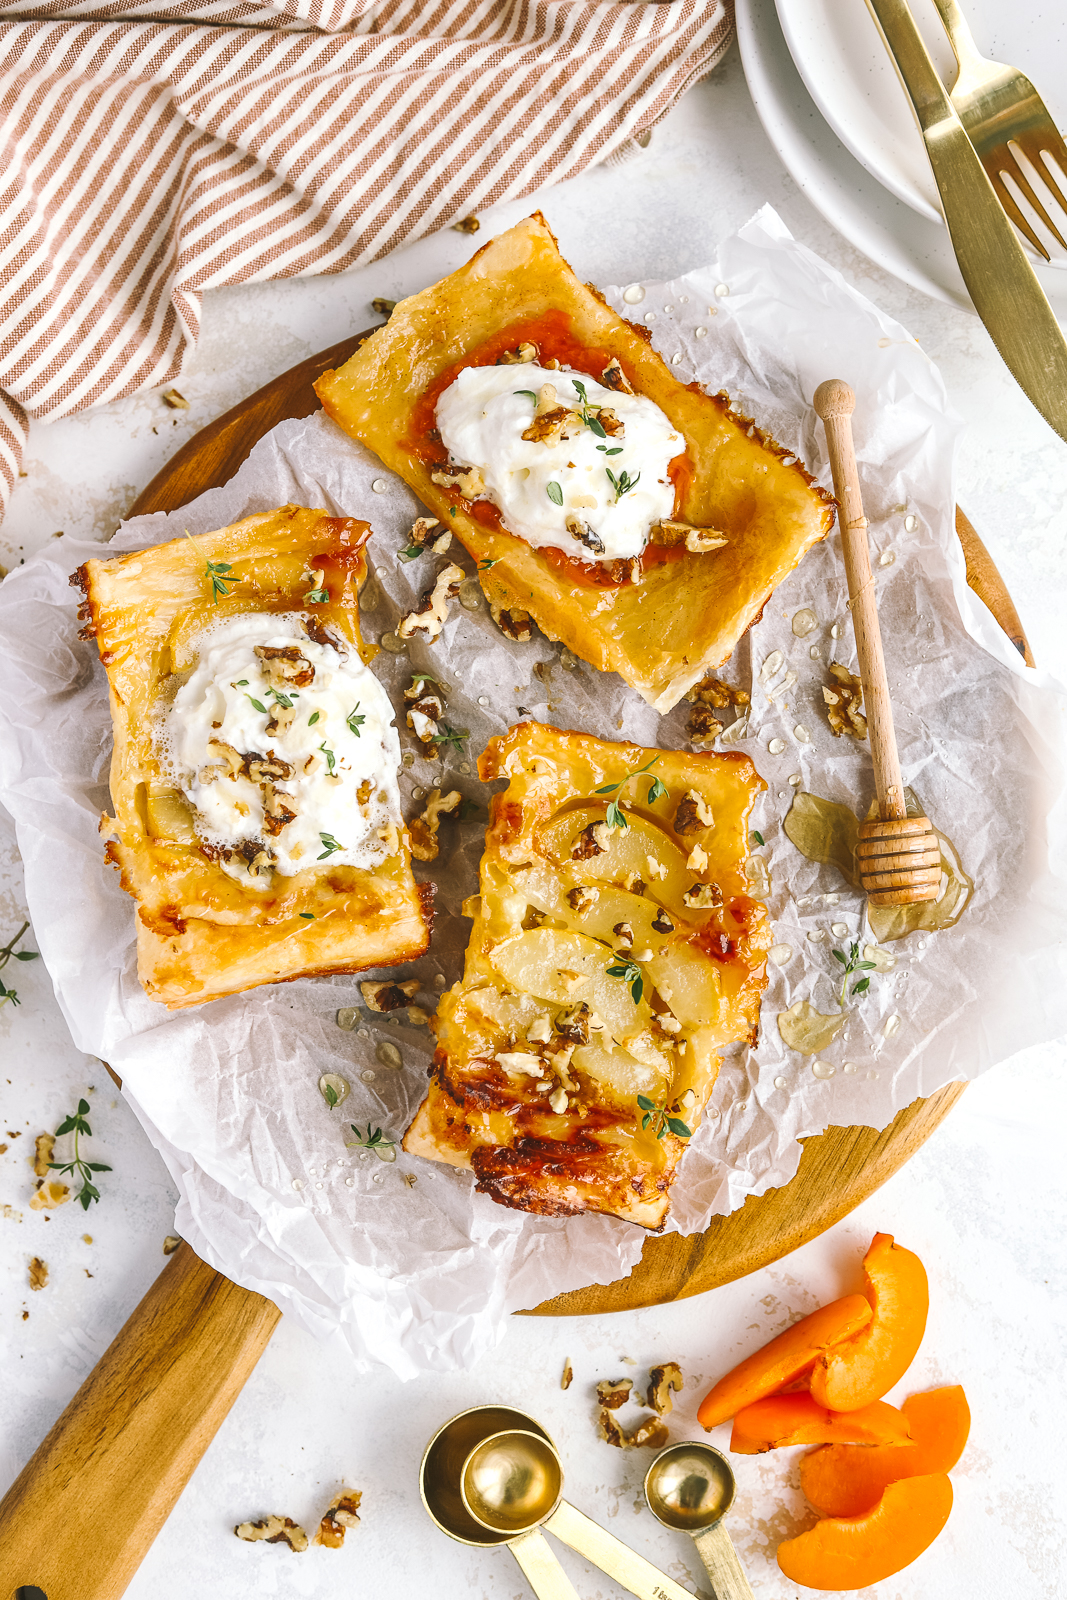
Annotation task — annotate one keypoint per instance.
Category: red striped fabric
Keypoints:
(155, 150)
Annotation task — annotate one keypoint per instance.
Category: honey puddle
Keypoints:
(827, 832)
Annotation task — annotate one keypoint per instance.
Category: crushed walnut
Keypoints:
(388, 996)
(341, 1514)
(44, 1144)
(650, 1434)
(286, 667)
(844, 703)
(38, 1273)
(703, 897)
(431, 616)
(698, 860)
(610, 1429)
(592, 841)
(553, 422)
(176, 401)
(693, 814)
(662, 1381)
(613, 377)
(51, 1192)
(466, 225)
(465, 481)
(573, 1024)
(426, 707)
(170, 1244)
(582, 899)
(522, 356)
(429, 534)
(662, 922)
(567, 1377)
(614, 1392)
(383, 307)
(513, 622)
(274, 1530)
(707, 697)
(634, 883)
(423, 830)
(624, 932)
(698, 541)
(584, 534)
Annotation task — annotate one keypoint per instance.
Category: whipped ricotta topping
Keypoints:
(285, 749)
(558, 490)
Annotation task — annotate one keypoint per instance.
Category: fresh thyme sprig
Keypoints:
(374, 1139)
(590, 413)
(452, 736)
(20, 955)
(330, 844)
(77, 1125)
(331, 760)
(851, 964)
(217, 573)
(355, 722)
(630, 973)
(622, 484)
(657, 1117)
(615, 818)
(489, 561)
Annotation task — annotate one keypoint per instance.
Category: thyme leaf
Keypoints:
(554, 493)
(622, 484)
(353, 721)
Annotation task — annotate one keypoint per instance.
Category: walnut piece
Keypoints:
(582, 898)
(176, 401)
(285, 666)
(662, 922)
(466, 225)
(522, 356)
(698, 859)
(584, 534)
(431, 616)
(429, 534)
(384, 308)
(513, 623)
(624, 932)
(341, 1514)
(568, 1375)
(711, 691)
(170, 1244)
(466, 481)
(698, 541)
(553, 422)
(274, 1530)
(693, 814)
(592, 841)
(389, 996)
(703, 726)
(573, 1023)
(610, 1429)
(844, 703)
(614, 1392)
(38, 1273)
(45, 1143)
(51, 1192)
(662, 1381)
(703, 897)
(651, 1433)
(613, 377)
(423, 830)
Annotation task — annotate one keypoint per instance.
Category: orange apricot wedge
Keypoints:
(841, 1482)
(851, 1552)
(869, 1365)
(788, 1419)
(792, 1353)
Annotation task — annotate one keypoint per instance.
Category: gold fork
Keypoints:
(997, 104)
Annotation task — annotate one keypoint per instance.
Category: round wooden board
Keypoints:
(839, 1168)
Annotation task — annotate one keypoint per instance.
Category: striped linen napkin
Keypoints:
(155, 150)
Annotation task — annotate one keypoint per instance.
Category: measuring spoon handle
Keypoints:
(636, 1574)
(547, 1578)
(728, 1581)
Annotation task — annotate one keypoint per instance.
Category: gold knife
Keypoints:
(999, 278)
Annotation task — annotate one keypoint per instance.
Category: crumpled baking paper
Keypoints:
(404, 1263)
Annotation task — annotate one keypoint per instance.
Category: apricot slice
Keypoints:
(864, 1370)
(841, 1482)
(851, 1552)
(785, 1419)
(793, 1352)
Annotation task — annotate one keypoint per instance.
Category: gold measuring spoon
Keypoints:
(507, 1482)
(691, 1487)
(539, 1481)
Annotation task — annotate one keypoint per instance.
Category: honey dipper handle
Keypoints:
(835, 403)
(79, 1518)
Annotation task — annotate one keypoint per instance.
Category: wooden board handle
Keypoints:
(835, 403)
(81, 1515)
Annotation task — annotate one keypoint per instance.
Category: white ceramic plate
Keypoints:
(890, 232)
(847, 71)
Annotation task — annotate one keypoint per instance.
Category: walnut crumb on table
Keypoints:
(38, 1273)
(341, 1514)
(274, 1530)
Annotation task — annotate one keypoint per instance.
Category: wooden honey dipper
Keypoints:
(899, 857)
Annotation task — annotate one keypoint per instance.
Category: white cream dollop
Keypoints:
(481, 417)
(324, 775)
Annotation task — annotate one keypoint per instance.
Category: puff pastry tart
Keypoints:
(257, 817)
(637, 519)
(615, 949)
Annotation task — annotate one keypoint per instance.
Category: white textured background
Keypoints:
(982, 1203)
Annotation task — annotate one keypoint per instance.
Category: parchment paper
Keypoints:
(423, 1277)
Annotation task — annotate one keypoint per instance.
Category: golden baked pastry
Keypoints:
(615, 949)
(216, 912)
(517, 301)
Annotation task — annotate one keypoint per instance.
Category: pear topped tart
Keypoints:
(254, 775)
(615, 949)
(637, 519)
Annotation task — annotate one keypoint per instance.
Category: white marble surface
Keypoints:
(982, 1203)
